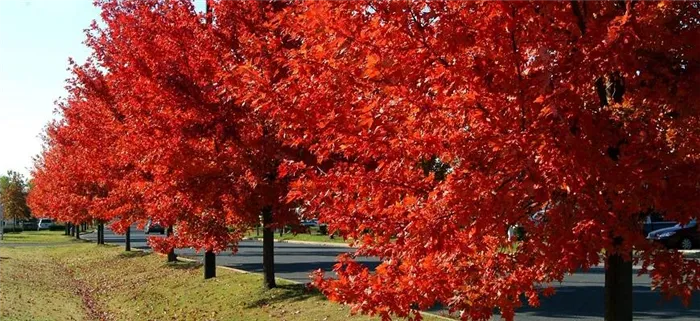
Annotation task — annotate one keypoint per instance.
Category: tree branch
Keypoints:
(580, 18)
(514, 47)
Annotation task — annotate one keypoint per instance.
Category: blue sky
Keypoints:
(36, 39)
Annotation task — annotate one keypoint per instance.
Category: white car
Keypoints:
(45, 224)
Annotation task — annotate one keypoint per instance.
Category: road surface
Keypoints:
(579, 297)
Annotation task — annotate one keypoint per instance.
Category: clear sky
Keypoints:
(36, 39)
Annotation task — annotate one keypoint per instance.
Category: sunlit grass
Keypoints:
(314, 236)
(35, 237)
(83, 281)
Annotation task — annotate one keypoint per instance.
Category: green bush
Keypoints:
(57, 228)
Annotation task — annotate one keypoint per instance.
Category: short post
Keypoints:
(209, 265)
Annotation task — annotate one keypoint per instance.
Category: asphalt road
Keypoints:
(579, 297)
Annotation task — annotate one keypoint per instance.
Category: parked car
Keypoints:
(45, 224)
(31, 224)
(656, 221)
(517, 231)
(309, 223)
(679, 236)
(152, 227)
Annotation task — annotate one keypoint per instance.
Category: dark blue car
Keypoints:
(684, 237)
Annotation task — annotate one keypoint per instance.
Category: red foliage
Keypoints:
(181, 147)
(450, 121)
(422, 130)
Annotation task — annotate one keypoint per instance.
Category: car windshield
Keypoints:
(46, 221)
(692, 223)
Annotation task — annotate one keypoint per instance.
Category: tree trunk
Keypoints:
(66, 230)
(76, 230)
(127, 238)
(268, 250)
(171, 255)
(209, 265)
(618, 289)
(99, 233)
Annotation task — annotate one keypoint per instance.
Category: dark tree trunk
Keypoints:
(268, 250)
(76, 230)
(100, 234)
(67, 229)
(127, 238)
(209, 265)
(171, 255)
(618, 289)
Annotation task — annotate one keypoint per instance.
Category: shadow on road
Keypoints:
(287, 253)
(601, 270)
(296, 267)
(572, 302)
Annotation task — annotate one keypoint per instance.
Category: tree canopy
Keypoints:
(13, 196)
(421, 130)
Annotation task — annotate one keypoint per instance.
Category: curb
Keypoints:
(439, 316)
(345, 245)
(186, 259)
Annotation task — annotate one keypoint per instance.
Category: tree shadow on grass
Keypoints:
(285, 293)
(183, 265)
(133, 254)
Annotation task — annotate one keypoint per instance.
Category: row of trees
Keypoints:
(421, 130)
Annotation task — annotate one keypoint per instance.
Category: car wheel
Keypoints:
(686, 244)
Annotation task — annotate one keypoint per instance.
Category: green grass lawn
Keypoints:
(35, 237)
(314, 236)
(84, 281)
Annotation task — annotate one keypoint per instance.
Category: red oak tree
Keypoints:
(75, 176)
(212, 157)
(455, 120)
